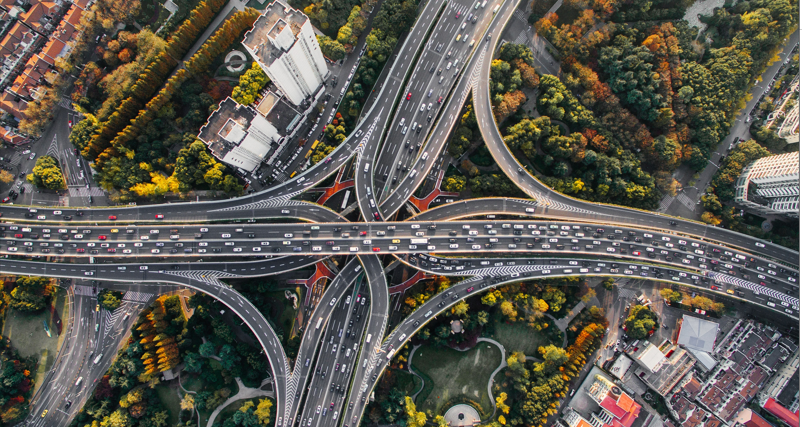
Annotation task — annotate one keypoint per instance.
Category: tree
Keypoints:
(508, 309)
(554, 355)
(461, 309)
(670, 295)
(710, 218)
(31, 293)
(110, 300)
(454, 183)
(47, 174)
(208, 349)
(608, 283)
(250, 83)
(500, 403)
(188, 402)
(414, 418)
(6, 177)
(262, 411)
(640, 322)
(332, 49)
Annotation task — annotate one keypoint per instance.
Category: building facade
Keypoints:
(284, 44)
(771, 185)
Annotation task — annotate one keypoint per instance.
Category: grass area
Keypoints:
(566, 15)
(27, 333)
(481, 156)
(519, 337)
(192, 384)
(169, 398)
(220, 71)
(656, 402)
(456, 373)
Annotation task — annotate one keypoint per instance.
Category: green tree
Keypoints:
(47, 174)
(332, 49)
(640, 322)
(83, 131)
(670, 295)
(250, 83)
(454, 183)
(110, 300)
(31, 293)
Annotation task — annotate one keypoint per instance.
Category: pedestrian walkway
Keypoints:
(243, 393)
(137, 296)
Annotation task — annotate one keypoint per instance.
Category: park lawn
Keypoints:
(518, 337)
(456, 373)
(27, 334)
(170, 400)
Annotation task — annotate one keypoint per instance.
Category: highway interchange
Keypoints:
(492, 241)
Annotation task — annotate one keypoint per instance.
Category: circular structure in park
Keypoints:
(462, 415)
(766, 226)
(236, 55)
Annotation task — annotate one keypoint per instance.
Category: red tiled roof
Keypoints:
(32, 16)
(73, 16)
(83, 4)
(13, 107)
(782, 413)
(611, 406)
(52, 49)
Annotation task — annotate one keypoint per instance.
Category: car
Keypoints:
(159, 216)
(112, 217)
(32, 156)
(760, 245)
(440, 100)
(5, 200)
(457, 15)
(376, 249)
(44, 413)
(89, 273)
(636, 253)
(101, 237)
(409, 96)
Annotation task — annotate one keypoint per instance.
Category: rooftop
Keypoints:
(698, 334)
(779, 411)
(262, 39)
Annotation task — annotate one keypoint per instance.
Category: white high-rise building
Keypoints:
(284, 44)
(771, 185)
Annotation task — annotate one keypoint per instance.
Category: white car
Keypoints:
(237, 249)
(476, 247)
(760, 245)
(41, 217)
(286, 235)
(453, 246)
(257, 249)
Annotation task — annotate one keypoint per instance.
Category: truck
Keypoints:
(97, 359)
(390, 354)
(419, 241)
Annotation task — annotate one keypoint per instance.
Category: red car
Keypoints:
(376, 216)
(409, 96)
(376, 249)
(458, 14)
(636, 253)
(18, 236)
(81, 250)
(440, 100)
(363, 233)
(714, 287)
(470, 290)
(159, 216)
(112, 217)
(6, 199)
(112, 250)
(101, 237)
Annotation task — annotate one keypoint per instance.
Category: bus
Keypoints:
(345, 199)
(418, 241)
(319, 322)
(314, 145)
(495, 9)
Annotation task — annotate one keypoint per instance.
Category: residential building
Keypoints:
(750, 418)
(771, 185)
(609, 405)
(242, 136)
(661, 367)
(697, 334)
(284, 44)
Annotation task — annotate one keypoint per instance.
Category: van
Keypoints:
(367, 166)
(424, 156)
(365, 364)
(80, 379)
(97, 359)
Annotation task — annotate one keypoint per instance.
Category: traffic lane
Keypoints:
(229, 297)
(522, 207)
(442, 60)
(204, 236)
(412, 43)
(322, 313)
(396, 199)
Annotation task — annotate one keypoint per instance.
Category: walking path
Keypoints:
(243, 393)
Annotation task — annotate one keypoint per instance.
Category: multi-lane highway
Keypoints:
(444, 57)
